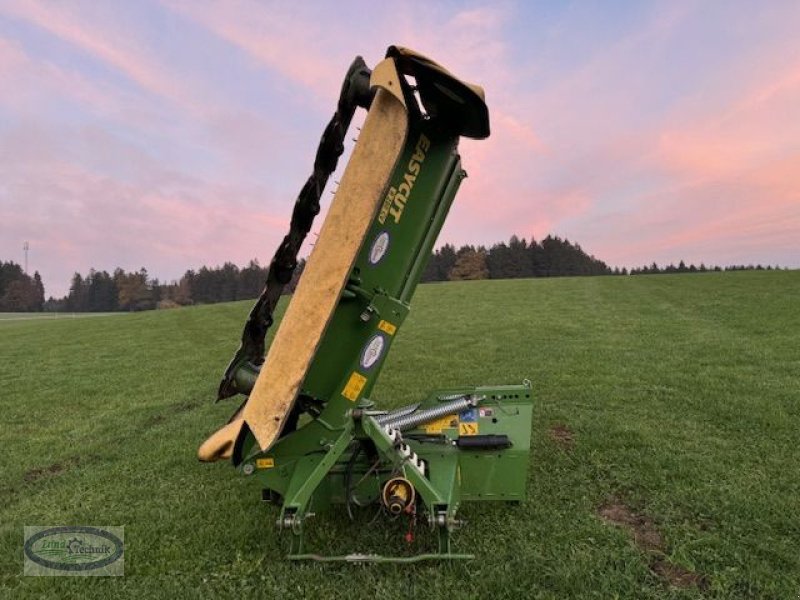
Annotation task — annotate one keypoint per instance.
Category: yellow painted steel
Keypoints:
(355, 205)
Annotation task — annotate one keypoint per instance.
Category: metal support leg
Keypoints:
(308, 474)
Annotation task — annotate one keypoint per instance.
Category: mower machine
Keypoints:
(310, 430)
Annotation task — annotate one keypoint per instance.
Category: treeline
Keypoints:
(553, 257)
(654, 269)
(18, 291)
(100, 291)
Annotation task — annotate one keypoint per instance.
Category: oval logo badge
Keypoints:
(379, 247)
(74, 548)
(372, 351)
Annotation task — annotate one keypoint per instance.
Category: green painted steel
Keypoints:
(453, 474)
(387, 267)
(342, 454)
(384, 277)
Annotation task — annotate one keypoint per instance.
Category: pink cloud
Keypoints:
(468, 42)
(756, 128)
(38, 85)
(75, 217)
(300, 51)
(602, 151)
(702, 180)
(100, 38)
(751, 216)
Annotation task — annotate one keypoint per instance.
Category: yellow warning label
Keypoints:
(448, 422)
(265, 463)
(354, 386)
(467, 429)
(387, 327)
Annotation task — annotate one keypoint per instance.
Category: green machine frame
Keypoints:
(455, 445)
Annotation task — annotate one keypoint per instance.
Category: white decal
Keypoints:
(372, 351)
(379, 248)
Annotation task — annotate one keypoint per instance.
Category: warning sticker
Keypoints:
(467, 429)
(265, 463)
(448, 422)
(387, 327)
(354, 386)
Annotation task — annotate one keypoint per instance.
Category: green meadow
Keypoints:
(665, 459)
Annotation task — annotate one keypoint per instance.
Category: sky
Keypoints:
(173, 134)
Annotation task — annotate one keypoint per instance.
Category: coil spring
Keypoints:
(431, 414)
(397, 413)
(446, 397)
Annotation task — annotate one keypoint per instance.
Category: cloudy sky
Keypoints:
(172, 134)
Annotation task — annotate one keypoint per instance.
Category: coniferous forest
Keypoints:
(18, 291)
(101, 291)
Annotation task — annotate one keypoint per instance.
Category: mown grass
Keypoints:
(681, 393)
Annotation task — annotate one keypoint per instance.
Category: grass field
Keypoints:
(665, 460)
(29, 316)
